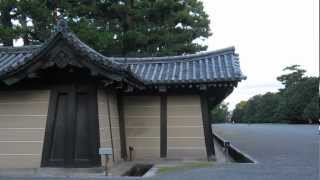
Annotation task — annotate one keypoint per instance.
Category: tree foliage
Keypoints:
(297, 102)
(113, 27)
(294, 76)
(220, 114)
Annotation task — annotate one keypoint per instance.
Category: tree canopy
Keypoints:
(113, 27)
(297, 102)
(220, 113)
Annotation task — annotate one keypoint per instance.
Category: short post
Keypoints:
(130, 150)
(226, 148)
(106, 152)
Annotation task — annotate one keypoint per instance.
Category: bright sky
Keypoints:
(269, 35)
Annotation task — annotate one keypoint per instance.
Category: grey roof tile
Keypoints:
(209, 67)
(220, 65)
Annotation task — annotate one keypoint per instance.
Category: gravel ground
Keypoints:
(283, 152)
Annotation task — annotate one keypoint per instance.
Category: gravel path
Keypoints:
(283, 152)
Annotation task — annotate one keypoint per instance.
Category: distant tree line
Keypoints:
(220, 114)
(297, 102)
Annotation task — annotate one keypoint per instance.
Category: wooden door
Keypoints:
(72, 131)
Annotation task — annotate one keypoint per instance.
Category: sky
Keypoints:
(269, 35)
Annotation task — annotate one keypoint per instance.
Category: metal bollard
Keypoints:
(226, 145)
(130, 150)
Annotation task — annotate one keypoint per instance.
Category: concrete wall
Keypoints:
(106, 120)
(23, 116)
(185, 129)
(142, 122)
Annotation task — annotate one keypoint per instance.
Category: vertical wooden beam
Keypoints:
(53, 100)
(207, 126)
(163, 126)
(108, 93)
(122, 127)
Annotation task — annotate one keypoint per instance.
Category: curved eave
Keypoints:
(23, 63)
(12, 71)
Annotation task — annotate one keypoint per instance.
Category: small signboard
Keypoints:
(105, 151)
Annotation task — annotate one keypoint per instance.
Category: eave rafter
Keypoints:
(199, 86)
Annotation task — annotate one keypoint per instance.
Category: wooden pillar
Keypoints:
(122, 127)
(207, 126)
(163, 126)
(108, 93)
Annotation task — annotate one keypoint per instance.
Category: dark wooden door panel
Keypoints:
(83, 130)
(72, 132)
(57, 150)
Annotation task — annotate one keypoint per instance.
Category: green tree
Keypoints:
(35, 20)
(115, 27)
(220, 114)
(7, 14)
(297, 94)
(297, 102)
(266, 108)
(239, 112)
(294, 76)
(312, 111)
(296, 98)
(258, 109)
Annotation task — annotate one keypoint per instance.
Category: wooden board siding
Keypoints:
(185, 130)
(142, 122)
(23, 117)
(105, 122)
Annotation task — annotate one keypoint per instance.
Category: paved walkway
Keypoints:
(283, 152)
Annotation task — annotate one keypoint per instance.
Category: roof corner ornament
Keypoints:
(62, 25)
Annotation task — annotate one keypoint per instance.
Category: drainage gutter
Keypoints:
(234, 152)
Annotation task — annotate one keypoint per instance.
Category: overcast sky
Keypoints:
(269, 35)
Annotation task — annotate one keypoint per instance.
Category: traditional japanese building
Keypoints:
(62, 100)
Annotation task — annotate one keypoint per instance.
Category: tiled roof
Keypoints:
(216, 66)
(13, 59)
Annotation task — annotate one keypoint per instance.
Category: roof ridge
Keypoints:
(19, 48)
(172, 58)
